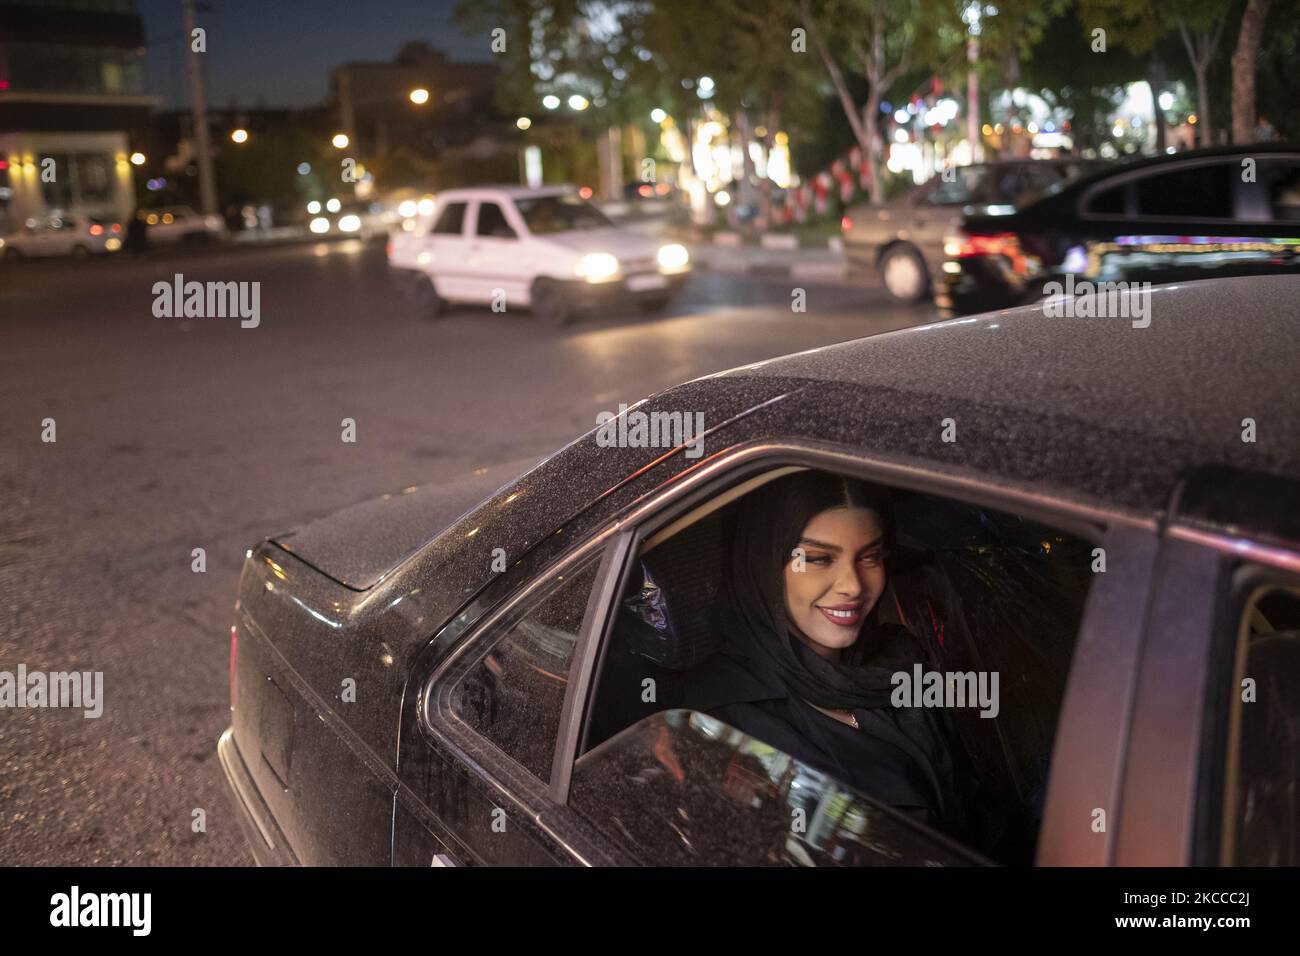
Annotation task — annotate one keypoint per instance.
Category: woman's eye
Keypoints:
(819, 559)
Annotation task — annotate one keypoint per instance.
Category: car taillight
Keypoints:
(969, 245)
(96, 230)
(117, 227)
(845, 223)
(234, 646)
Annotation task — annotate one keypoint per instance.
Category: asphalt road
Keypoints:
(175, 434)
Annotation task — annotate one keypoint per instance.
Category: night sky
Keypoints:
(280, 52)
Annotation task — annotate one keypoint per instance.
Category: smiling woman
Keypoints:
(864, 632)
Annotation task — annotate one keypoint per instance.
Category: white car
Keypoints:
(63, 235)
(545, 249)
(181, 224)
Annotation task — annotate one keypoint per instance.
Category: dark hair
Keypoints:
(772, 519)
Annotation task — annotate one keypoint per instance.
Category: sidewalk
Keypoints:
(777, 257)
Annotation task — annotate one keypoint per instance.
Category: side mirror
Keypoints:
(681, 788)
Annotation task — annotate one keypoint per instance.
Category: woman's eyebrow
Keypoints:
(835, 547)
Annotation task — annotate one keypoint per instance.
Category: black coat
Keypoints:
(898, 758)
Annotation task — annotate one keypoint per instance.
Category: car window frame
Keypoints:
(1217, 804)
(505, 208)
(1106, 645)
(1128, 180)
(470, 206)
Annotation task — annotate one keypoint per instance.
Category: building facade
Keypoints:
(71, 97)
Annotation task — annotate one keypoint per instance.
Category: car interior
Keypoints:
(980, 590)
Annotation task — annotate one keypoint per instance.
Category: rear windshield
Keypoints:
(548, 214)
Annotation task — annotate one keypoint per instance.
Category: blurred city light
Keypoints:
(313, 207)
(239, 135)
(419, 96)
(340, 141)
(350, 223)
(523, 122)
(333, 205)
(658, 115)
(320, 224)
(578, 102)
(551, 101)
(304, 169)
(137, 159)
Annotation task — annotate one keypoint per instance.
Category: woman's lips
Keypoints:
(849, 616)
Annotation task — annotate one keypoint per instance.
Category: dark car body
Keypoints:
(350, 633)
(911, 229)
(1207, 213)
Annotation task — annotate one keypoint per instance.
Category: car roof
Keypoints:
(1132, 164)
(1090, 408)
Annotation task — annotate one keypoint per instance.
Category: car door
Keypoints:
(496, 258)
(484, 719)
(662, 785)
(1213, 768)
(1200, 218)
(444, 252)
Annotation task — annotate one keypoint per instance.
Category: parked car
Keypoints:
(544, 249)
(64, 234)
(1217, 212)
(174, 224)
(421, 681)
(904, 238)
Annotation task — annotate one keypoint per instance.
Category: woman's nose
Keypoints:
(849, 584)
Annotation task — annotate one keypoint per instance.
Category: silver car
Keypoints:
(904, 238)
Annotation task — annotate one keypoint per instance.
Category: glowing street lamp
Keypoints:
(419, 96)
(578, 102)
(239, 136)
(340, 141)
(137, 159)
(551, 101)
(523, 122)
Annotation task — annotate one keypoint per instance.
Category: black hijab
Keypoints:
(757, 632)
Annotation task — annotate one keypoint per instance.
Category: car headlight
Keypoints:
(320, 224)
(598, 267)
(673, 257)
(350, 223)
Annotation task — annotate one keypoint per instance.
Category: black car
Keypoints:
(1216, 212)
(1105, 516)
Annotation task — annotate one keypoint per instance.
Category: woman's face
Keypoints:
(842, 578)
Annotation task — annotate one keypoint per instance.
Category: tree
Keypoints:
(1200, 24)
(1243, 70)
(877, 39)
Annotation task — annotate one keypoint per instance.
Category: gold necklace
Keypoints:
(832, 711)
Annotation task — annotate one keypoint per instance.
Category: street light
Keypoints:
(578, 102)
(239, 135)
(419, 96)
(551, 101)
(137, 159)
(340, 141)
(657, 115)
(523, 122)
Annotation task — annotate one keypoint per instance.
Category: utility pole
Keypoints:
(199, 114)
